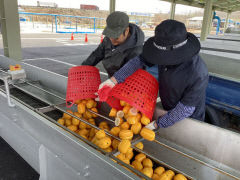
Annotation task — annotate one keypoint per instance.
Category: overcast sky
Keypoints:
(146, 6)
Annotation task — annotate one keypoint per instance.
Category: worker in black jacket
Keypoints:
(122, 42)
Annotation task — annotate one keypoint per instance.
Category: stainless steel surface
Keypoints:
(225, 65)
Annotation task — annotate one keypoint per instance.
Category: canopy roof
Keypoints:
(219, 5)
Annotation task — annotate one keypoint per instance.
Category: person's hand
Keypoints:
(108, 82)
(105, 88)
(153, 125)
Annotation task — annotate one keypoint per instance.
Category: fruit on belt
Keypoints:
(129, 122)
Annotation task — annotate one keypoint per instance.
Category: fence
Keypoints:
(60, 23)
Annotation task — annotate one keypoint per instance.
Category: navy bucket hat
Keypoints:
(171, 45)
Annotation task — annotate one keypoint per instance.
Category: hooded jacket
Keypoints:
(113, 58)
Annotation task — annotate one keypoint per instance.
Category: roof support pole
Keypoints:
(172, 11)
(226, 22)
(207, 19)
(10, 29)
(210, 23)
(112, 5)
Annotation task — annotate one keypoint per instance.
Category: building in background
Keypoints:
(46, 4)
(89, 7)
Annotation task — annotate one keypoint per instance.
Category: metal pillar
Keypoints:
(207, 19)
(173, 7)
(112, 6)
(226, 22)
(210, 23)
(10, 29)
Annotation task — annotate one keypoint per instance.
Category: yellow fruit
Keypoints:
(94, 110)
(100, 134)
(118, 121)
(68, 122)
(147, 171)
(115, 131)
(145, 120)
(120, 114)
(84, 101)
(132, 119)
(115, 143)
(140, 157)
(88, 114)
(122, 103)
(155, 176)
(139, 145)
(113, 112)
(147, 134)
(75, 121)
(90, 103)
(126, 134)
(130, 150)
(126, 109)
(94, 140)
(123, 158)
(72, 128)
(137, 165)
(82, 125)
(92, 132)
(77, 101)
(147, 163)
(139, 116)
(85, 115)
(61, 121)
(83, 132)
(95, 104)
(159, 170)
(125, 116)
(129, 155)
(167, 175)
(109, 149)
(103, 125)
(104, 142)
(77, 114)
(136, 128)
(92, 121)
(179, 177)
(132, 112)
(123, 146)
(67, 116)
(125, 125)
(81, 108)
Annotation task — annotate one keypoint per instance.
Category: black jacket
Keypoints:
(185, 83)
(113, 58)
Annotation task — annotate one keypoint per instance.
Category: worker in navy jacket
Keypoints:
(182, 74)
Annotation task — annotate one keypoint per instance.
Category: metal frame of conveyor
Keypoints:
(58, 153)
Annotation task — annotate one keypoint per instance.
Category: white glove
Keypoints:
(153, 125)
(108, 82)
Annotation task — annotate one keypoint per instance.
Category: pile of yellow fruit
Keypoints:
(134, 121)
(145, 165)
(83, 112)
(129, 122)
